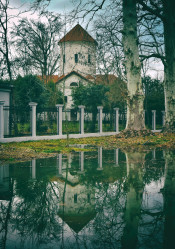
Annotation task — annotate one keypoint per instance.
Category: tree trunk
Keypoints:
(135, 112)
(169, 36)
(135, 186)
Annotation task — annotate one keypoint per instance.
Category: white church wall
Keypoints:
(77, 199)
(83, 49)
(65, 84)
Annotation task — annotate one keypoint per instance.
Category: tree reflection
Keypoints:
(134, 189)
(169, 201)
(151, 219)
(108, 185)
(33, 213)
(5, 214)
(66, 202)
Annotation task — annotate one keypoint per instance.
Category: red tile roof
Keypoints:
(105, 79)
(72, 72)
(77, 34)
(46, 79)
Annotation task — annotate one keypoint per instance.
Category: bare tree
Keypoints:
(135, 117)
(164, 10)
(4, 47)
(37, 42)
(108, 27)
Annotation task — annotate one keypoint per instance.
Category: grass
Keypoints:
(50, 148)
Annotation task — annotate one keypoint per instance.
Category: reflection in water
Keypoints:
(105, 199)
(59, 164)
(33, 169)
(81, 161)
(169, 201)
(100, 161)
(134, 185)
(116, 154)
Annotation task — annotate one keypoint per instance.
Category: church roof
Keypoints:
(104, 79)
(78, 221)
(69, 74)
(77, 34)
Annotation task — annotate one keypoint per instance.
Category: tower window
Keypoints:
(76, 58)
(89, 58)
(75, 198)
(64, 58)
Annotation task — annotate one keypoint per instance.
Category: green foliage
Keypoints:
(117, 95)
(3, 82)
(31, 89)
(93, 95)
(90, 95)
(154, 94)
(154, 98)
(53, 95)
(28, 89)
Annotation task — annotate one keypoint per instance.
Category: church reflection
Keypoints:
(120, 198)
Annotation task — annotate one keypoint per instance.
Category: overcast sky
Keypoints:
(55, 5)
(63, 7)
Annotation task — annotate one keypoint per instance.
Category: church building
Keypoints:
(78, 62)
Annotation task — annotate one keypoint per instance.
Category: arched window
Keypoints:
(73, 84)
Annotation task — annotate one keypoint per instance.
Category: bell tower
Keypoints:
(78, 52)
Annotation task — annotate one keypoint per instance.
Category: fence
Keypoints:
(34, 121)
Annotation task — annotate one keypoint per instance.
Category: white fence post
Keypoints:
(59, 119)
(153, 120)
(116, 119)
(100, 125)
(33, 121)
(100, 159)
(2, 119)
(81, 120)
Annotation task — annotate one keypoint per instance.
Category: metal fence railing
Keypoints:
(19, 122)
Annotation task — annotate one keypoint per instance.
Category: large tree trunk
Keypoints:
(135, 186)
(135, 112)
(169, 36)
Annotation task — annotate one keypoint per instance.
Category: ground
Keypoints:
(41, 149)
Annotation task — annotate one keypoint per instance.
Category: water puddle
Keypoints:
(98, 199)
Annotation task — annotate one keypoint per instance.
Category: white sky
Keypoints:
(55, 5)
(63, 7)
